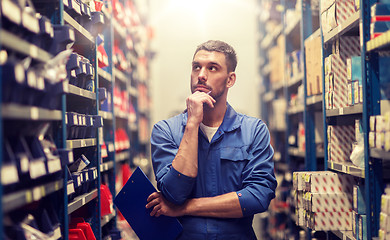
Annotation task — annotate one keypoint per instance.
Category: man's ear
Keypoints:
(231, 79)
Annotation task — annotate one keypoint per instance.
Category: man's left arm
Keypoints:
(222, 206)
(259, 182)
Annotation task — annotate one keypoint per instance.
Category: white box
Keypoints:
(330, 202)
(324, 221)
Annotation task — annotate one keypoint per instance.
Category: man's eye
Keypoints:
(195, 68)
(212, 68)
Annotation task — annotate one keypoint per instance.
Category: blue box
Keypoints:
(359, 203)
(356, 69)
(362, 227)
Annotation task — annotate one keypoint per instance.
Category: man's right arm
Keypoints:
(177, 168)
(186, 160)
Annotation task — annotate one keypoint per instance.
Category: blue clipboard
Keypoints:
(131, 202)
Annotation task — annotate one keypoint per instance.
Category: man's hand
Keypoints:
(222, 206)
(195, 104)
(161, 206)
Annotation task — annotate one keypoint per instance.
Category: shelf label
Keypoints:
(33, 51)
(54, 165)
(341, 111)
(37, 169)
(36, 193)
(43, 191)
(9, 174)
(34, 113)
(111, 147)
(70, 188)
(28, 197)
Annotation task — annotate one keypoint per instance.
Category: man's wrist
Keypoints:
(186, 210)
(192, 125)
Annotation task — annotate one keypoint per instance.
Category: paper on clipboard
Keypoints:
(131, 202)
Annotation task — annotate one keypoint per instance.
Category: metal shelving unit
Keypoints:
(56, 185)
(371, 175)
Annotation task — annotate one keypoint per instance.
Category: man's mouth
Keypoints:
(202, 88)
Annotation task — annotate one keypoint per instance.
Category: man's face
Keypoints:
(209, 73)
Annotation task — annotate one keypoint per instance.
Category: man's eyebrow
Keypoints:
(214, 63)
(209, 63)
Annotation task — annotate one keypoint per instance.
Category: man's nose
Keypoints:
(202, 75)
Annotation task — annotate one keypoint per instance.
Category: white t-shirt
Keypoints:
(208, 131)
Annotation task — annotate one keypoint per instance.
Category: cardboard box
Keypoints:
(387, 141)
(356, 92)
(298, 199)
(329, 202)
(340, 153)
(328, 182)
(313, 65)
(372, 123)
(355, 225)
(276, 57)
(385, 204)
(380, 140)
(351, 99)
(325, 221)
(380, 125)
(325, 4)
(348, 47)
(371, 139)
(338, 81)
(299, 180)
(345, 9)
(300, 217)
(384, 221)
(383, 234)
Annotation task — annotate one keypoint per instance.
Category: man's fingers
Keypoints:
(153, 196)
(155, 210)
(153, 200)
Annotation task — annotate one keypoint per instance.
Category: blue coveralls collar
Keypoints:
(231, 120)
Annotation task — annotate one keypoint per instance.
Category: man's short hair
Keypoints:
(222, 47)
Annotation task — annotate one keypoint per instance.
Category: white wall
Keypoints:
(181, 25)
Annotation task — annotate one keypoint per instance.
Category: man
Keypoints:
(213, 165)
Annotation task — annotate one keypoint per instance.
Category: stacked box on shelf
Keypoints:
(313, 65)
(336, 74)
(379, 135)
(380, 19)
(359, 212)
(298, 187)
(384, 221)
(335, 12)
(340, 140)
(276, 59)
(327, 200)
(354, 77)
